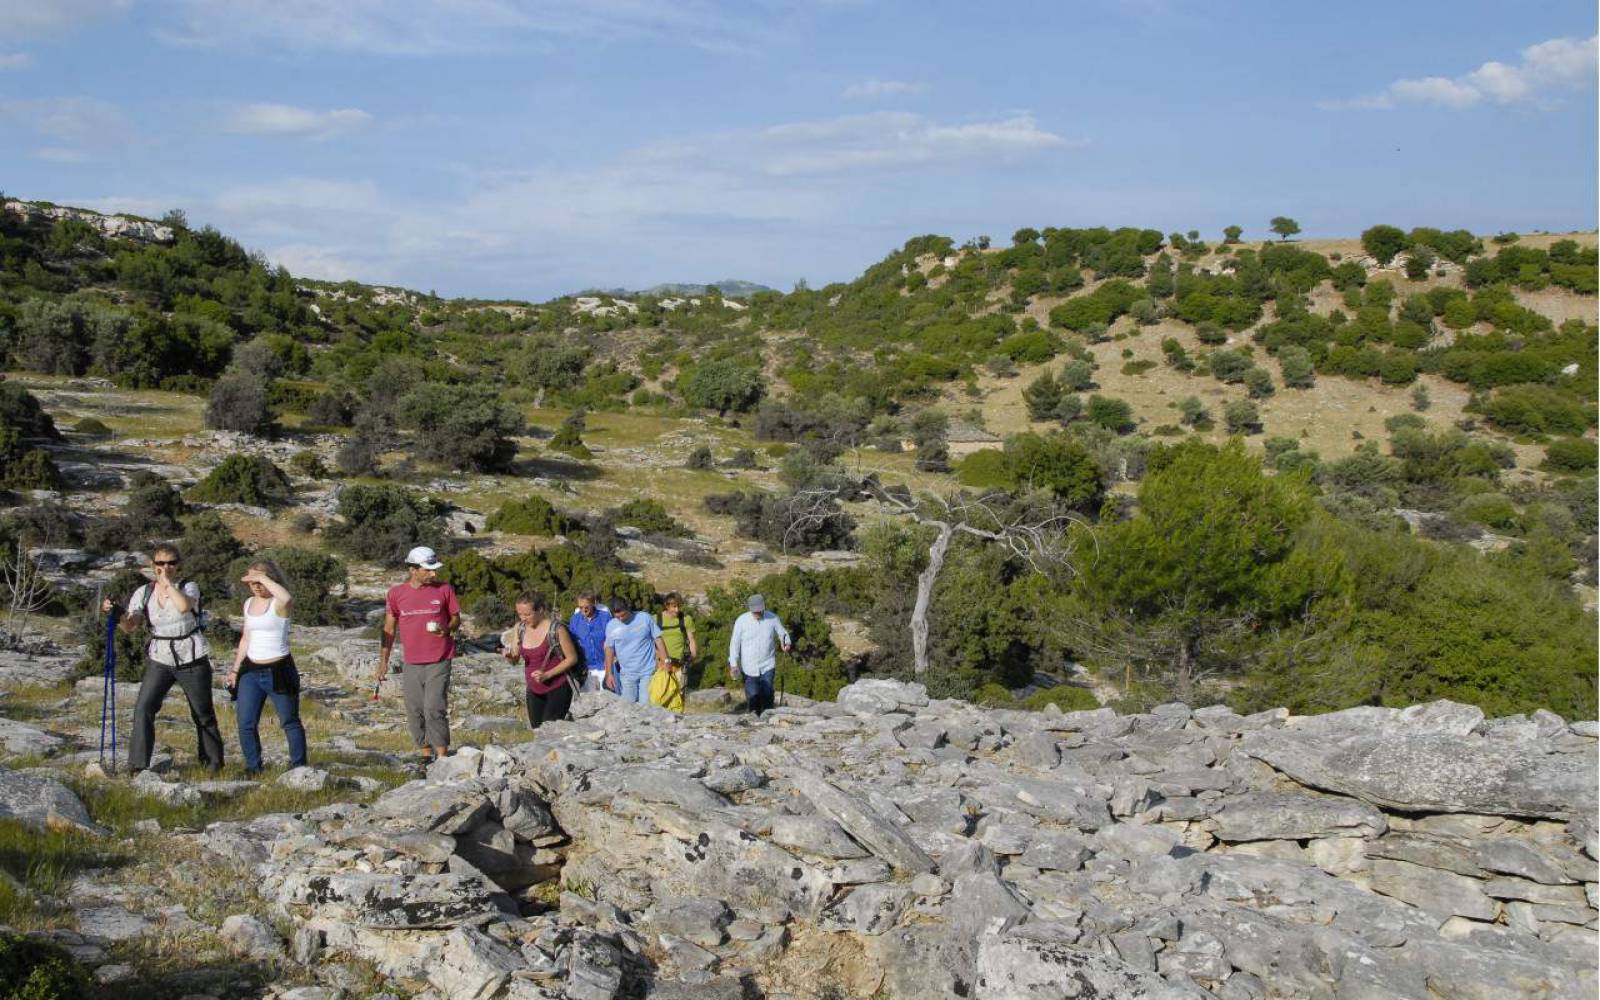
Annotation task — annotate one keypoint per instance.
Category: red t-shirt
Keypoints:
(413, 608)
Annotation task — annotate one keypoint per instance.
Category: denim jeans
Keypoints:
(758, 691)
(255, 687)
(636, 687)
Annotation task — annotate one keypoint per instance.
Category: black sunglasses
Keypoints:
(164, 562)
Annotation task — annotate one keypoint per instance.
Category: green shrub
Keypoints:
(1570, 455)
(700, 458)
(1112, 414)
(650, 517)
(1492, 510)
(1537, 409)
(240, 402)
(40, 970)
(26, 468)
(308, 464)
(1054, 462)
(1241, 417)
(462, 426)
(568, 437)
(1066, 697)
(984, 469)
(90, 427)
(1138, 367)
(246, 479)
(533, 515)
(315, 580)
(992, 695)
(382, 522)
(723, 385)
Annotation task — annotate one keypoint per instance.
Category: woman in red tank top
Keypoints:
(545, 649)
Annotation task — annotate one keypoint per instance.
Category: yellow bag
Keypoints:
(666, 689)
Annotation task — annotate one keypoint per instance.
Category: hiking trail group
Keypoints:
(886, 844)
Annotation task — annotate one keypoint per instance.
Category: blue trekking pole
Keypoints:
(108, 693)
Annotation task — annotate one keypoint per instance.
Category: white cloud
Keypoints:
(873, 90)
(15, 61)
(896, 139)
(288, 120)
(60, 154)
(714, 204)
(36, 18)
(77, 126)
(430, 27)
(1560, 64)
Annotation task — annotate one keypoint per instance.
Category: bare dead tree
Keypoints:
(1038, 538)
(24, 589)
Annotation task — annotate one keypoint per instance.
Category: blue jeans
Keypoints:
(636, 687)
(255, 688)
(758, 691)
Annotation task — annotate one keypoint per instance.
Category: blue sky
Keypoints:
(527, 148)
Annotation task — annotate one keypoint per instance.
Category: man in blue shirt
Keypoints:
(753, 651)
(588, 628)
(634, 650)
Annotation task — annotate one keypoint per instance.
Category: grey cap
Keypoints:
(756, 603)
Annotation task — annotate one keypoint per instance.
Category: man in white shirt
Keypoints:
(753, 651)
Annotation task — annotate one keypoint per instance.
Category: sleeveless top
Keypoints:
(175, 637)
(541, 657)
(266, 635)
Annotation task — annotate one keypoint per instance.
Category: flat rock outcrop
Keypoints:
(890, 844)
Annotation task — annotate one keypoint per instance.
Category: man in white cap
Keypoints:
(753, 651)
(426, 614)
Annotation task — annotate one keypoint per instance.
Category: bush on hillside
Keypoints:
(24, 467)
(314, 579)
(532, 515)
(1057, 463)
(91, 427)
(209, 549)
(308, 464)
(32, 969)
(150, 513)
(332, 409)
(787, 522)
(984, 469)
(1570, 455)
(650, 517)
(382, 522)
(1537, 409)
(700, 459)
(568, 437)
(240, 402)
(723, 385)
(246, 479)
(1112, 414)
(1241, 417)
(1066, 697)
(462, 426)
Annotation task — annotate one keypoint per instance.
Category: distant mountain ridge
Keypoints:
(733, 288)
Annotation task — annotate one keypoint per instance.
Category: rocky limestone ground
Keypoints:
(883, 846)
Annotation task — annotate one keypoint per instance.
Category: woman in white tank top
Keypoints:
(263, 668)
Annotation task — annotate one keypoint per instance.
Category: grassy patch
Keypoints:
(44, 864)
(118, 805)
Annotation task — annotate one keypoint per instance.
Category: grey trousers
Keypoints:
(195, 679)
(427, 691)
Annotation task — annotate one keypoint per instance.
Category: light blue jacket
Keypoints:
(754, 646)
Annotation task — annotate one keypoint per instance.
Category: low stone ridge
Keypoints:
(895, 845)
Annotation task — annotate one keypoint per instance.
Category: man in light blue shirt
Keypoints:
(753, 651)
(633, 650)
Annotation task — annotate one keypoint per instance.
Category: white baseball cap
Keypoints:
(424, 557)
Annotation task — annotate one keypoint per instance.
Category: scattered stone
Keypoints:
(304, 779)
(42, 803)
(249, 937)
